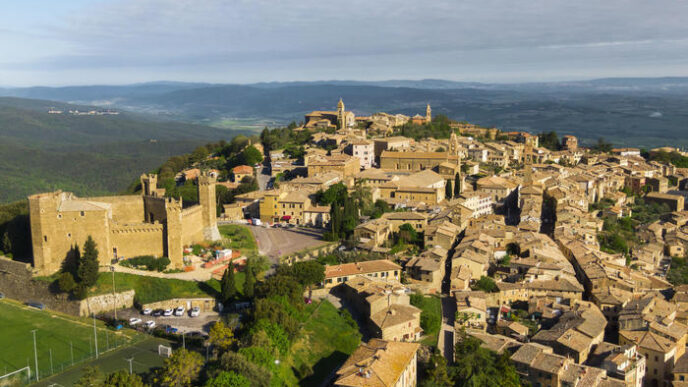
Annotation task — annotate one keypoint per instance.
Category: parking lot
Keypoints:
(184, 324)
(275, 242)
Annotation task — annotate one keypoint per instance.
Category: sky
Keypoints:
(79, 42)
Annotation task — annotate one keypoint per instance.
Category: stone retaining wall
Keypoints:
(17, 283)
(206, 304)
(310, 254)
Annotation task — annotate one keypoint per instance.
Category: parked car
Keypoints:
(147, 311)
(36, 304)
(158, 312)
(170, 329)
(134, 321)
(195, 311)
(150, 324)
(168, 312)
(179, 311)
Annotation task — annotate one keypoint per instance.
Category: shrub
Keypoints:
(66, 282)
(148, 262)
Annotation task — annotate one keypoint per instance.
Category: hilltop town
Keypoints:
(445, 247)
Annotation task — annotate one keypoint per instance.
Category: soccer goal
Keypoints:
(163, 350)
(19, 377)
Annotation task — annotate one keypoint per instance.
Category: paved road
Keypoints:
(446, 339)
(276, 242)
(263, 177)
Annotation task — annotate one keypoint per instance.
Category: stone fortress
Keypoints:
(122, 226)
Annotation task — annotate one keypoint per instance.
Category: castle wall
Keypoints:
(154, 209)
(125, 209)
(55, 232)
(138, 239)
(192, 225)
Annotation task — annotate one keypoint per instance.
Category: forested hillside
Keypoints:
(84, 154)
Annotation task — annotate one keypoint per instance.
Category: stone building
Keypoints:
(380, 363)
(122, 226)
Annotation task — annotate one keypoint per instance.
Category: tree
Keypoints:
(448, 191)
(408, 234)
(437, 374)
(257, 375)
(457, 185)
(88, 265)
(221, 336)
(66, 282)
(228, 285)
(251, 156)
(307, 273)
(181, 369)
(228, 379)
(486, 284)
(122, 378)
(281, 285)
(477, 366)
(250, 282)
(6, 243)
(90, 376)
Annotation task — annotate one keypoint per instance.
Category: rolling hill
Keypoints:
(644, 112)
(85, 154)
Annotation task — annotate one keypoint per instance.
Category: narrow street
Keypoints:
(446, 338)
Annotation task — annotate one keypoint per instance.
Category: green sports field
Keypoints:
(65, 338)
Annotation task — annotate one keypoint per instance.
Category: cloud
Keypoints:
(181, 34)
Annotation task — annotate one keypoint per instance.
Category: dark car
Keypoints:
(36, 304)
(157, 313)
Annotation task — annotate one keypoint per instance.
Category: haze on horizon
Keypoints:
(79, 42)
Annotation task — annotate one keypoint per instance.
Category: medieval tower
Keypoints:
(341, 115)
(206, 198)
(428, 114)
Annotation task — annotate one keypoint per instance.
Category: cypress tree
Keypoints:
(228, 284)
(250, 283)
(448, 191)
(88, 264)
(457, 184)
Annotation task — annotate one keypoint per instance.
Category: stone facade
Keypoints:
(121, 226)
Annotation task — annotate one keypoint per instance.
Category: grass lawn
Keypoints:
(144, 353)
(240, 238)
(55, 332)
(327, 339)
(151, 289)
(430, 316)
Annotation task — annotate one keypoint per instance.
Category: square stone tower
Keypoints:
(206, 197)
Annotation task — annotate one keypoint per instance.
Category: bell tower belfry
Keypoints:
(341, 115)
(428, 114)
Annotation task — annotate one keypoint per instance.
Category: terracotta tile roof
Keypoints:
(377, 363)
(357, 268)
(243, 169)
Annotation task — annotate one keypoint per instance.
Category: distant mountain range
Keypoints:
(643, 112)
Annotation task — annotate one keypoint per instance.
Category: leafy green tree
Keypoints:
(257, 375)
(307, 273)
(457, 185)
(448, 191)
(221, 336)
(181, 369)
(228, 379)
(336, 193)
(280, 285)
(437, 374)
(349, 218)
(477, 366)
(66, 282)
(549, 140)
(122, 378)
(88, 265)
(251, 156)
(90, 376)
(228, 285)
(486, 284)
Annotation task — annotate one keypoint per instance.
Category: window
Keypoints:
(69, 235)
(82, 213)
(45, 238)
